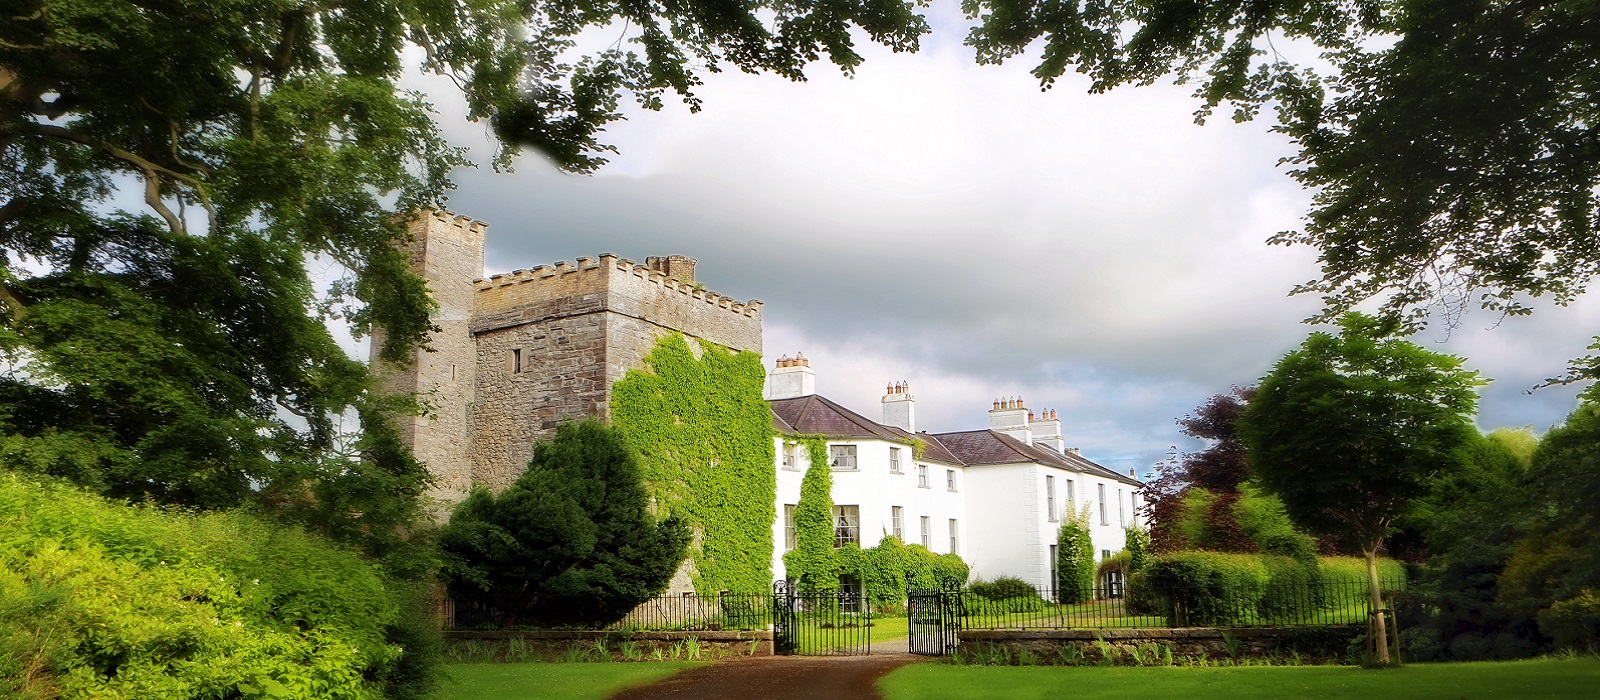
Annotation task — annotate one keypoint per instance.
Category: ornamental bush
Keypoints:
(102, 599)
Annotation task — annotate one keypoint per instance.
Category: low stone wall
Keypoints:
(613, 645)
(1324, 643)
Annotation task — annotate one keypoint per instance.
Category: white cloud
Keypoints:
(949, 224)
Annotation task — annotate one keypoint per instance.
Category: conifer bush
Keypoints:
(571, 542)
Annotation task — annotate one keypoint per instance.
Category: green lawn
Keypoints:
(1503, 680)
(549, 681)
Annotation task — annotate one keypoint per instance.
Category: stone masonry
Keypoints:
(519, 353)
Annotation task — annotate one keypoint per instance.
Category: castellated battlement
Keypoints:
(517, 354)
(619, 285)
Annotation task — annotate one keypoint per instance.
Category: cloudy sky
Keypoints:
(950, 225)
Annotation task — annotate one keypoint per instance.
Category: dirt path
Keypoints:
(777, 678)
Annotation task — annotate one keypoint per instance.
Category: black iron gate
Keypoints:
(934, 618)
(834, 623)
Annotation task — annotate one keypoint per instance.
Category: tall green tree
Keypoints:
(1451, 144)
(168, 169)
(1350, 430)
(571, 541)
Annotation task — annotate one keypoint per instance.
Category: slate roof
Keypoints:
(976, 447)
(817, 415)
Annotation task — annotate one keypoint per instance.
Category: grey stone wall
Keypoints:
(447, 251)
(580, 327)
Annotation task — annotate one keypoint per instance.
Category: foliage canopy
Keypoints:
(1451, 144)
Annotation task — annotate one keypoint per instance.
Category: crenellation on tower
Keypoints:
(529, 349)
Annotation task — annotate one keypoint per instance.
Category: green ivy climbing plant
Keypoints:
(811, 564)
(704, 436)
(1075, 564)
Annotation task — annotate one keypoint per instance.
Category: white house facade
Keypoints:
(995, 497)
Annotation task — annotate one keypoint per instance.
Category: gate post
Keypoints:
(783, 642)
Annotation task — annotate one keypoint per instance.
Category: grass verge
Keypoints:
(1502, 680)
(580, 681)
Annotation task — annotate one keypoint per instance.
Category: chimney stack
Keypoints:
(1047, 430)
(791, 378)
(1011, 418)
(899, 407)
(678, 267)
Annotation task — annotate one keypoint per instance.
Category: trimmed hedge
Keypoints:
(106, 600)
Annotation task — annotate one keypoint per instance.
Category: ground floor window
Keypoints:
(846, 525)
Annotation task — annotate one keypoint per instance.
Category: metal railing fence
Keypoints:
(1143, 606)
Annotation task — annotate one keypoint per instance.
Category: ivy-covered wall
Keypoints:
(811, 564)
(1075, 566)
(704, 435)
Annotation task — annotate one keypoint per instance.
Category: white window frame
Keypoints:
(922, 476)
(897, 519)
(1122, 510)
(955, 542)
(894, 461)
(1101, 491)
(790, 456)
(1050, 497)
(846, 525)
(842, 458)
(950, 480)
(788, 527)
(927, 532)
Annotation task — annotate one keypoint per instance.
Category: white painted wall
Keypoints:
(1004, 526)
(873, 488)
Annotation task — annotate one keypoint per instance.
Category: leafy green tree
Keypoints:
(1450, 143)
(1075, 567)
(571, 541)
(168, 169)
(1350, 430)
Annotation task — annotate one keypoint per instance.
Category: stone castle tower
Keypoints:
(519, 353)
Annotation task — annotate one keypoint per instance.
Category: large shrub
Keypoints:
(571, 542)
(889, 569)
(100, 599)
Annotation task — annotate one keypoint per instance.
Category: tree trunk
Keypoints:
(1380, 628)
